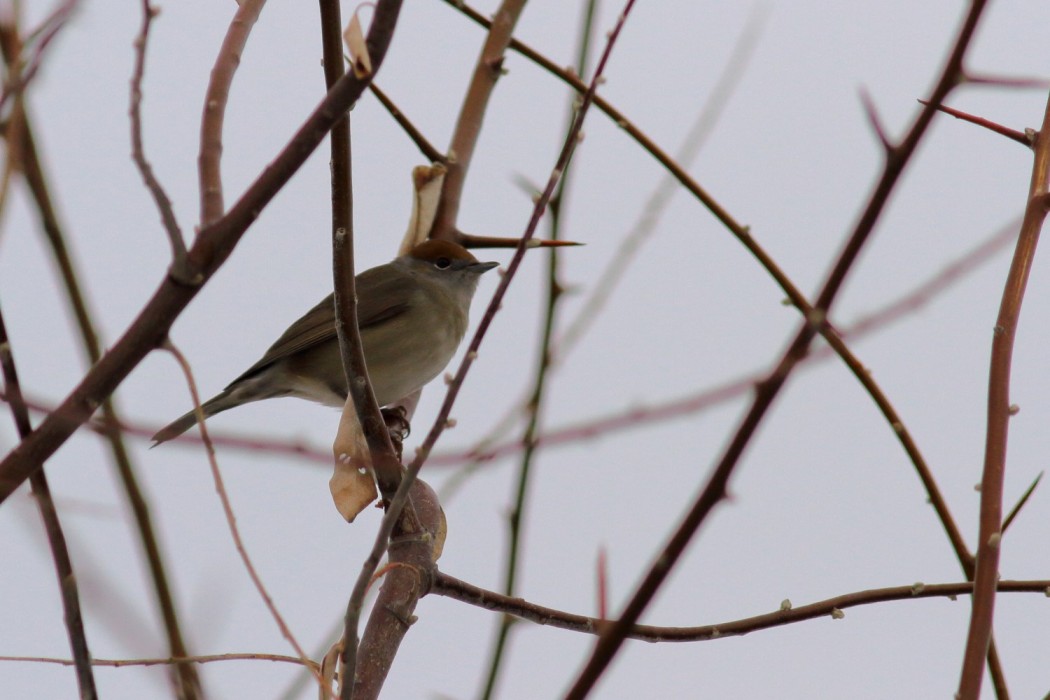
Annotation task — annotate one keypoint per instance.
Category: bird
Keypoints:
(412, 313)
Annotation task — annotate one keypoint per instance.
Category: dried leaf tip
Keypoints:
(354, 38)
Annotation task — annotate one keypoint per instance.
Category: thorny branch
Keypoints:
(999, 412)
(715, 488)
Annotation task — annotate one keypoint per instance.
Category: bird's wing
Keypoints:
(376, 305)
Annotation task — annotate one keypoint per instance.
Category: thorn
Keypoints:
(1021, 137)
(873, 119)
(1004, 81)
(603, 584)
(1020, 504)
(468, 240)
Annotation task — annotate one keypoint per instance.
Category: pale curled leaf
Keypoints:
(352, 484)
(329, 665)
(427, 181)
(354, 38)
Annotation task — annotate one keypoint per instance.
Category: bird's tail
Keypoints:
(217, 404)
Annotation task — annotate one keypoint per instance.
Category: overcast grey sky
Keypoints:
(824, 501)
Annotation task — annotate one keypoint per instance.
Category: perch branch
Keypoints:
(210, 250)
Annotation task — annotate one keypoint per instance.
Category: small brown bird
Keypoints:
(412, 313)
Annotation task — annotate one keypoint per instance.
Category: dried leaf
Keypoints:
(426, 184)
(328, 670)
(352, 484)
(354, 38)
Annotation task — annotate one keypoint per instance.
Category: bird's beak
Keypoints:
(481, 267)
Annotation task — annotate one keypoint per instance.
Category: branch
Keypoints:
(445, 585)
(534, 405)
(210, 250)
(743, 234)
(487, 71)
(428, 150)
(401, 498)
(67, 580)
(203, 659)
(999, 412)
(209, 158)
(156, 190)
(766, 391)
(386, 465)
(41, 37)
(409, 576)
(186, 679)
(231, 520)
(1023, 138)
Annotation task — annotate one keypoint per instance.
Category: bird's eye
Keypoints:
(442, 263)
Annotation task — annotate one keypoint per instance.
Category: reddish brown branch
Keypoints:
(56, 539)
(1020, 137)
(138, 154)
(409, 577)
(209, 158)
(202, 659)
(535, 404)
(231, 520)
(386, 465)
(400, 500)
(487, 71)
(210, 250)
(715, 488)
(425, 147)
(999, 412)
(743, 235)
(445, 585)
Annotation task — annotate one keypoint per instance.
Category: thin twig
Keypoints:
(345, 299)
(445, 585)
(872, 113)
(516, 516)
(766, 391)
(384, 462)
(425, 147)
(1021, 502)
(652, 211)
(1013, 134)
(67, 580)
(156, 190)
(231, 519)
(209, 158)
(202, 659)
(1007, 81)
(40, 38)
